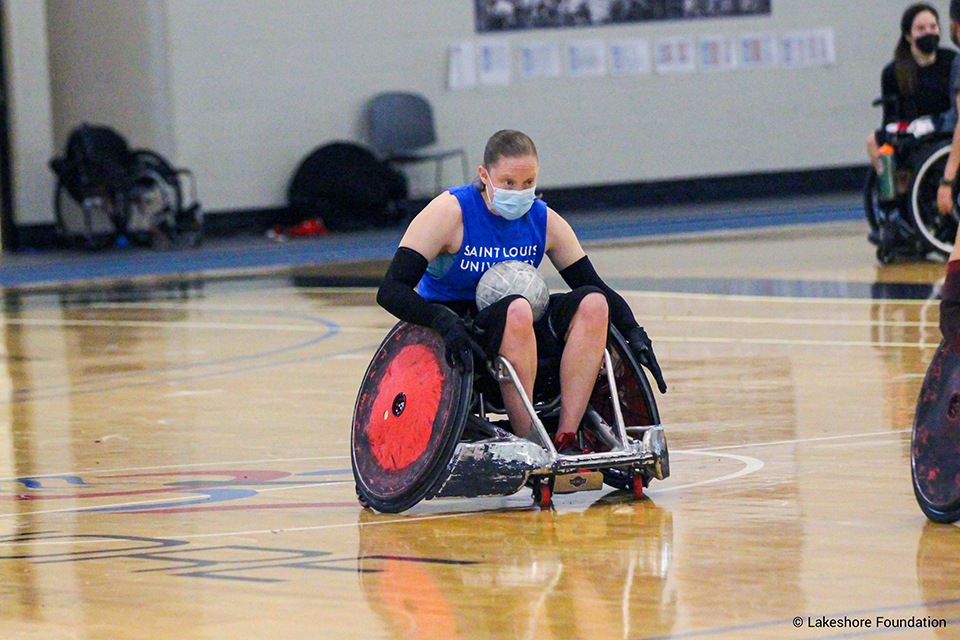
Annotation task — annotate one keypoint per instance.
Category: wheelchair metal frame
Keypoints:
(462, 446)
(503, 463)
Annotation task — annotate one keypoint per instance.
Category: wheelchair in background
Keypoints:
(105, 190)
(905, 223)
(423, 429)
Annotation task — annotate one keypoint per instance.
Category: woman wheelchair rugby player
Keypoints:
(567, 381)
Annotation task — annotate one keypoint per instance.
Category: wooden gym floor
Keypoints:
(174, 463)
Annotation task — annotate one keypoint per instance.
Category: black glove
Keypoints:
(460, 345)
(643, 351)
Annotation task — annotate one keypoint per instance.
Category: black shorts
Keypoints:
(550, 330)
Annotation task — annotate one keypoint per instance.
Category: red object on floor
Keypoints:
(312, 227)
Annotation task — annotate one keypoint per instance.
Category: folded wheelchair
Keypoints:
(905, 222)
(423, 429)
(105, 190)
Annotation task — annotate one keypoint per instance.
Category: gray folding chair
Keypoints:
(401, 126)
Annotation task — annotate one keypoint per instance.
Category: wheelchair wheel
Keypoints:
(935, 444)
(938, 230)
(408, 419)
(637, 404)
(155, 202)
(871, 200)
(90, 223)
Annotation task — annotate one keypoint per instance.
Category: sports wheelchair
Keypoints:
(105, 191)
(909, 225)
(423, 429)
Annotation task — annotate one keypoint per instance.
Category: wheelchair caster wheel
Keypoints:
(363, 502)
(543, 494)
(637, 485)
(884, 256)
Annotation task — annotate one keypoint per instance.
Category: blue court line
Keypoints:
(650, 225)
(133, 262)
(253, 361)
(779, 288)
(261, 253)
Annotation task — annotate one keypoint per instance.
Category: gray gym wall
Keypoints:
(240, 90)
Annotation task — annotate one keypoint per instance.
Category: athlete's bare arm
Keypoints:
(562, 246)
(437, 229)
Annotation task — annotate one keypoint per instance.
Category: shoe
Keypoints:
(566, 444)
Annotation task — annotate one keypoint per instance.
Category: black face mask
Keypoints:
(927, 44)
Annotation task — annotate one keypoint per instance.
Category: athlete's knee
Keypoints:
(593, 309)
(519, 316)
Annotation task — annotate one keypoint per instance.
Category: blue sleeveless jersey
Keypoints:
(487, 240)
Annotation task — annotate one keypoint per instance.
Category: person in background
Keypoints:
(945, 193)
(917, 82)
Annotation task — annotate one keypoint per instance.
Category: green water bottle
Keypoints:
(886, 174)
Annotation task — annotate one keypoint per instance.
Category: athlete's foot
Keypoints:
(566, 444)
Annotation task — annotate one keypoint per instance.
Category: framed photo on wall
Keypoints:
(509, 15)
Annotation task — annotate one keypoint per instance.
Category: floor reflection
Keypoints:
(938, 575)
(906, 334)
(596, 573)
(124, 291)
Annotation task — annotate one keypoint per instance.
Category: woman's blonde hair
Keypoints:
(507, 143)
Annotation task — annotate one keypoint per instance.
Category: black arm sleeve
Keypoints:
(581, 273)
(397, 293)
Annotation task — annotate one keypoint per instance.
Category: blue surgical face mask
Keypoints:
(512, 204)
